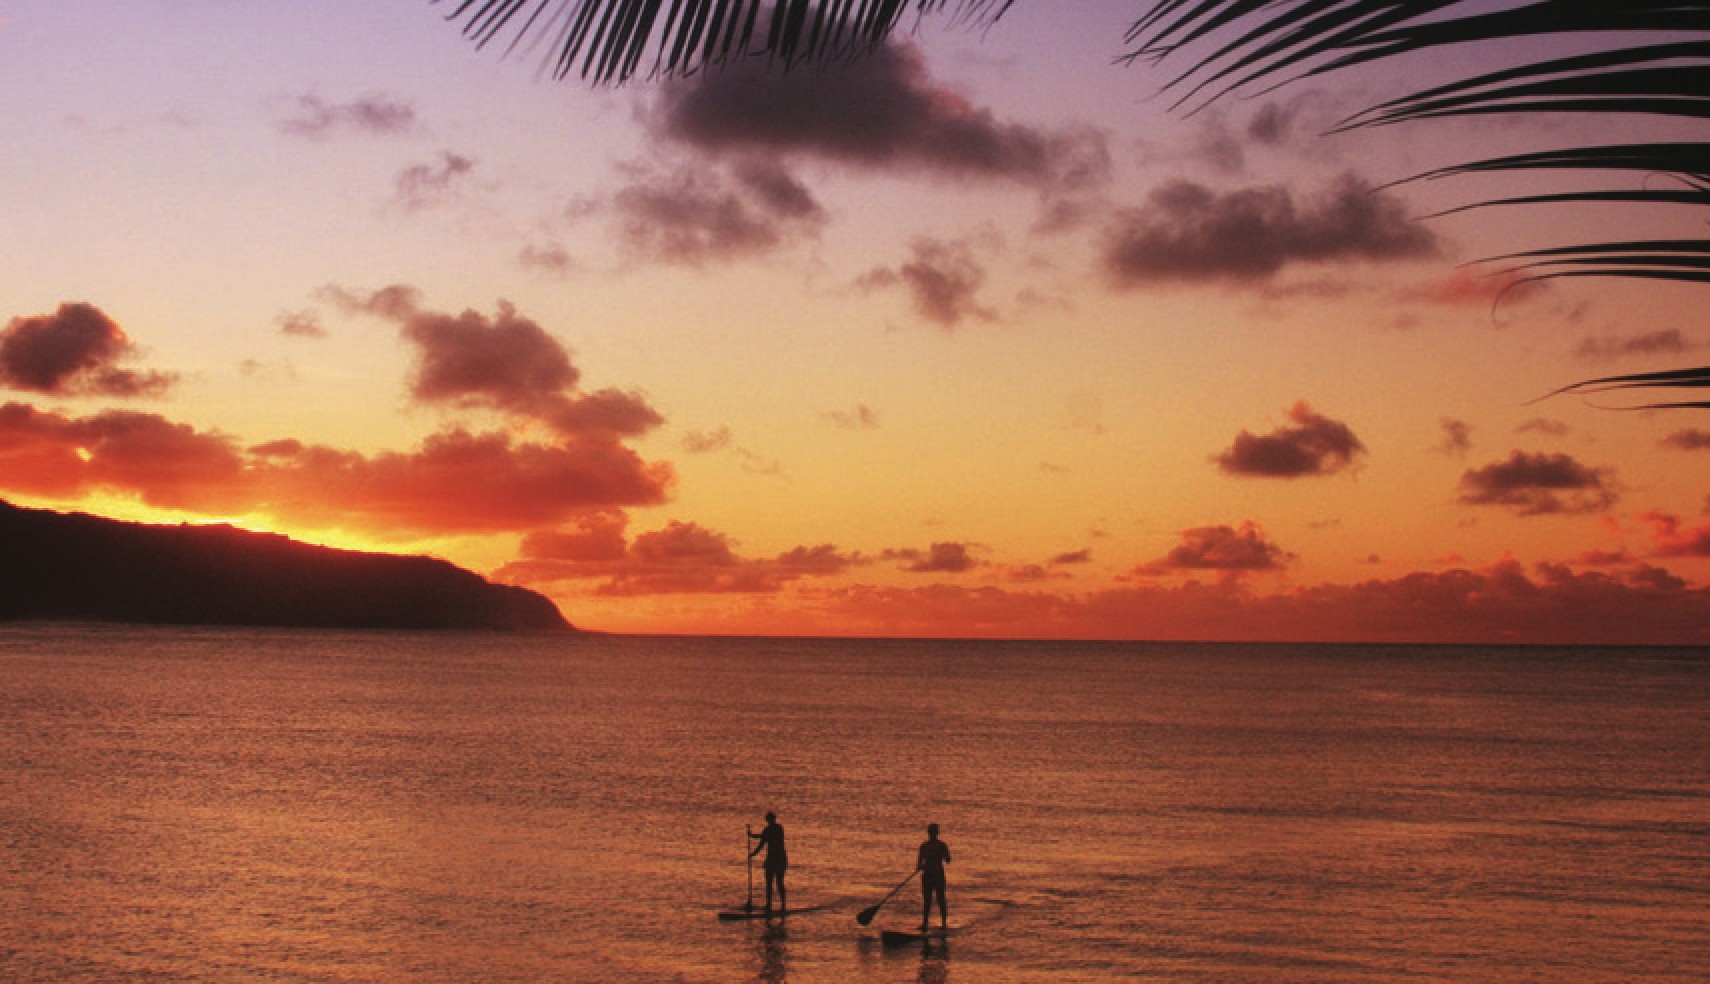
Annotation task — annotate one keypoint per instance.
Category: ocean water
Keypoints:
(256, 805)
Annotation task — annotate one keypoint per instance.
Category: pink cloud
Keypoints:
(456, 482)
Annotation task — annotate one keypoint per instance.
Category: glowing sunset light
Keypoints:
(972, 337)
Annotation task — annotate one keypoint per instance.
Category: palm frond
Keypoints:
(607, 41)
(1271, 43)
(1698, 378)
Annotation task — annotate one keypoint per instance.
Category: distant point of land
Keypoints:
(76, 567)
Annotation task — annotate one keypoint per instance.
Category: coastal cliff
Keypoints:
(75, 567)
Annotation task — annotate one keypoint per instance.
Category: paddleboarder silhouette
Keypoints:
(934, 855)
(771, 840)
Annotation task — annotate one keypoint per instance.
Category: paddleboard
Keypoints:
(897, 937)
(733, 915)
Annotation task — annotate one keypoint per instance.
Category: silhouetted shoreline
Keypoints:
(76, 567)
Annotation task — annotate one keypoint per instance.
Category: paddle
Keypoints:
(865, 916)
(746, 849)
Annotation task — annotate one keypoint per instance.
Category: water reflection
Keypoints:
(934, 963)
(774, 954)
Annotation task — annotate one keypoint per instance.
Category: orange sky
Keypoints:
(976, 338)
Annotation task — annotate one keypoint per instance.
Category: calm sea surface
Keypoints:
(243, 805)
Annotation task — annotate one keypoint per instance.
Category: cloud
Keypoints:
(1671, 538)
(861, 417)
(1188, 233)
(1314, 445)
(1542, 425)
(1457, 436)
(72, 352)
(695, 215)
(1608, 347)
(1504, 603)
(1537, 484)
(166, 464)
(302, 324)
(314, 117)
(703, 442)
(506, 363)
(880, 111)
(455, 482)
(424, 186)
(1230, 550)
(1688, 439)
(942, 278)
(940, 558)
(552, 258)
(1073, 557)
(459, 480)
(682, 558)
(1468, 287)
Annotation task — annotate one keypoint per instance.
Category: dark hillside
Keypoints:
(72, 566)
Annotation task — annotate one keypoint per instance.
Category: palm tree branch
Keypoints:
(606, 41)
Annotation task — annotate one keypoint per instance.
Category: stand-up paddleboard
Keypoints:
(898, 937)
(733, 915)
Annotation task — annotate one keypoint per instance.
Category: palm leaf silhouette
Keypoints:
(1274, 42)
(1643, 58)
(607, 41)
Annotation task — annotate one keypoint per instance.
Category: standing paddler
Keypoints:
(771, 839)
(934, 855)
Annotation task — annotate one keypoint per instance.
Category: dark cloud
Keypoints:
(505, 363)
(881, 111)
(682, 558)
(1226, 549)
(694, 215)
(1314, 445)
(940, 558)
(1688, 439)
(1189, 233)
(423, 186)
(1274, 123)
(72, 352)
(1667, 342)
(943, 279)
(1457, 436)
(312, 116)
(1535, 484)
(1073, 557)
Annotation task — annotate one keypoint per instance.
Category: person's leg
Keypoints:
(770, 877)
(925, 902)
(783, 899)
(943, 907)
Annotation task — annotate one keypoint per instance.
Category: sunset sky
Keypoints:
(978, 337)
